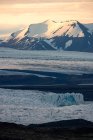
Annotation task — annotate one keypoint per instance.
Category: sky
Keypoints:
(16, 14)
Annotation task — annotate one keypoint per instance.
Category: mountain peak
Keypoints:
(49, 21)
(43, 29)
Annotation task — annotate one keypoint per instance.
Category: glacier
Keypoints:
(58, 61)
(35, 107)
(39, 98)
(27, 107)
(62, 99)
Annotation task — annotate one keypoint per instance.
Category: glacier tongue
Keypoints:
(39, 98)
(63, 99)
(34, 107)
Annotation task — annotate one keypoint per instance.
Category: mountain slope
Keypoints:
(74, 37)
(50, 35)
(89, 26)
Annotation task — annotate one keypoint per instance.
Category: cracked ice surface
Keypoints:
(59, 61)
(34, 107)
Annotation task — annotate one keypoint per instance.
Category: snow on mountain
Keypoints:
(82, 38)
(44, 29)
(51, 35)
(68, 43)
(18, 35)
(71, 29)
(50, 29)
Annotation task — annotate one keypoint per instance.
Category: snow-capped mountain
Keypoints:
(50, 35)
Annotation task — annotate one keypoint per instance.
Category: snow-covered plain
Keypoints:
(34, 107)
(59, 61)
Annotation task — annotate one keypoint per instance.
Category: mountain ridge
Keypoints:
(50, 35)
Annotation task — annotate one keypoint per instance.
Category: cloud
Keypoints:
(67, 8)
(28, 13)
(7, 28)
(39, 1)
